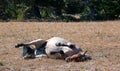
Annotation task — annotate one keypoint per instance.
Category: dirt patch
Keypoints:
(101, 39)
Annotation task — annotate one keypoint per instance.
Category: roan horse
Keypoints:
(55, 47)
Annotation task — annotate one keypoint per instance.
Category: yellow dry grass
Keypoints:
(101, 39)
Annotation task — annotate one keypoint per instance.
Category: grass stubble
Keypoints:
(101, 39)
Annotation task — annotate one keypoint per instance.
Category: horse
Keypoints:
(55, 48)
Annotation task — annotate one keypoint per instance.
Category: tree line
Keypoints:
(59, 10)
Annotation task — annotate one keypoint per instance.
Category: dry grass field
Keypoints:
(101, 39)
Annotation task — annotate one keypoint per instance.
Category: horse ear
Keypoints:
(84, 52)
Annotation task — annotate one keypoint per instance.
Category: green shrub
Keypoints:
(90, 10)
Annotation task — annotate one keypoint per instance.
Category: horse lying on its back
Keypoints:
(56, 48)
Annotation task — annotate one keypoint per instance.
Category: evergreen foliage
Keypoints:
(59, 10)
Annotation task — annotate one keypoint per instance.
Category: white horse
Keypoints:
(55, 47)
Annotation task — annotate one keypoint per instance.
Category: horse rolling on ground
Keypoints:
(55, 48)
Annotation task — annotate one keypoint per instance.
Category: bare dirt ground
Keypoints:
(101, 39)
